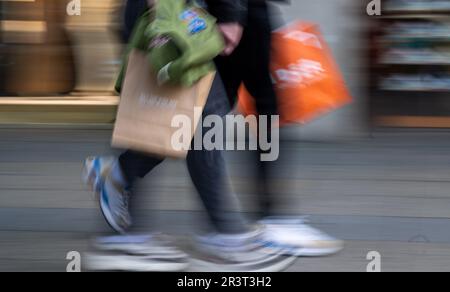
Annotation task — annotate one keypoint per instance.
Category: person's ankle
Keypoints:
(118, 176)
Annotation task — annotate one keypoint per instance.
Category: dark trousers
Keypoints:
(250, 65)
(206, 168)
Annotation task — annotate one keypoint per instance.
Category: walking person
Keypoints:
(249, 64)
(234, 247)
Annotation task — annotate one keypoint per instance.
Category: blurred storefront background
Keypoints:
(57, 68)
(46, 52)
(409, 65)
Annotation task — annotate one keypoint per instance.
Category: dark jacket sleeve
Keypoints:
(228, 10)
(133, 10)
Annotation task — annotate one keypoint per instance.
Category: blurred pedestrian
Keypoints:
(234, 247)
(248, 62)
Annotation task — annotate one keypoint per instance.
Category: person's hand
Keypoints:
(232, 33)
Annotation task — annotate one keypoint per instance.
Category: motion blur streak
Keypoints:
(374, 174)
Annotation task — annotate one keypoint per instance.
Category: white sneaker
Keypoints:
(113, 195)
(95, 169)
(238, 253)
(135, 254)
(299, 238)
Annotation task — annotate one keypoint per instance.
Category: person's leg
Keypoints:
(232, 77)
(303, 239)
(207, 170)
(112, 178)
(223, 250)
(249, 64)
(137, 165)
(258, 81)
(258, 50)
(209, 174)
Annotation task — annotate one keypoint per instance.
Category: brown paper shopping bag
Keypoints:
(146, 111)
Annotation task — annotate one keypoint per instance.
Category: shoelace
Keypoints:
(124, 208)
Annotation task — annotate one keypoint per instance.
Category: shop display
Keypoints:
(97, 46)
(410, 64)
(38, 58)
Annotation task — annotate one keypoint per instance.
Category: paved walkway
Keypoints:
(389, 193)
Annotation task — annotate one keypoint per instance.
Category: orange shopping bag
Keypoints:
(308, 82)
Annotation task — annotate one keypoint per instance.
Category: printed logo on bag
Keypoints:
(308, 39)
(192, 19)
(157, 101)
(159, 41)
(301, 74)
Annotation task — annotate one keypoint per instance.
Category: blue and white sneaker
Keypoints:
(94, 170)
(238, 253)
(298, 238)
(112, 194)
(136, 253)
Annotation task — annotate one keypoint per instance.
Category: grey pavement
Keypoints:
(388, 193)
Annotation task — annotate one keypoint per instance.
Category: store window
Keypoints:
(410, 64)
(59, 67)
(46, 52)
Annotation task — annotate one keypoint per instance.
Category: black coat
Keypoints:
(233, 10)
(228, 10)
(223, 10)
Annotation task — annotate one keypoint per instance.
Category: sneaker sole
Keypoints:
(316, 252)
(275, 264)
(130, 263)
(306, 252)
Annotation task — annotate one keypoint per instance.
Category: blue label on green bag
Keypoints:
(188, 15)
(193, 20)
(197, 25)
